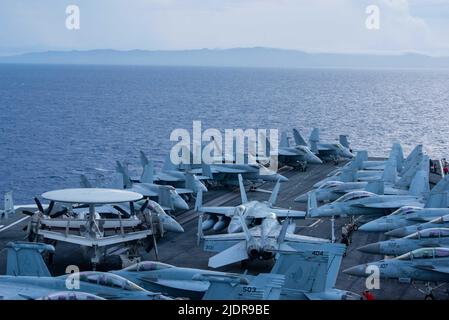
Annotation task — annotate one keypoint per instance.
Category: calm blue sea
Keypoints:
(59, 121)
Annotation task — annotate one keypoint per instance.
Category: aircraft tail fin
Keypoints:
(344, 140)
(124, 172)
(283, 143)
(243, 195)
(84, 182)
(313, 269)
(390, 174)
(299, 140)
(168, 164)
(264, 286)
(206, 170)
(8, 204)
(147, 174)
(437, 200)
(420, 184)
(25, 259)
(143, 159)
(275, 193)
(376, 187)
(359, 158)
(314, 140)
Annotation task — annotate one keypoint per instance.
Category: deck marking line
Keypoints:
(14, 223)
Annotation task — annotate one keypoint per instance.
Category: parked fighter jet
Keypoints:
(426, 264)
(396, 151)
(440, 222)
(184, 181)
(368, 203)
(253, 211)
(408, 216)
(259, 242)
(329, 151)
(332, 190)
(351, 173)
(167, 196)
(435, 237)
(27, 277)
(321, 264)
(297, 156)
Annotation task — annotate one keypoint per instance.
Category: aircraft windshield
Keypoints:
(330, 185)
(148, 266)
(404, 211)
(354, 196)
(441, 252)
(109, 280)
(427, 233)
(424, 253)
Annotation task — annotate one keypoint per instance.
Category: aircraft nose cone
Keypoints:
(358, 271)
(371, 226)
(370, 248)
(181, 204)
(302, 198)
(397, 233)
(311, 158)
(173, 226)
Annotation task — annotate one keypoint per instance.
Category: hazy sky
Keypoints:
(311, 25)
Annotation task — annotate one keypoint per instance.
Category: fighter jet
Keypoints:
(320, 263)
(406, 216)
(329, 151)
(297, 156)
(184, 181)
(440, 222)
(259, 242)
(27, 277)
(368, 203)
(332, 190)
(436, 206)
(351, 171)
(166, 195)
(426, 264)
(396, 151)
(253, 211)
(435, 237)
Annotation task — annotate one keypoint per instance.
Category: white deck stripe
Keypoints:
(13, 224)
(315, 223)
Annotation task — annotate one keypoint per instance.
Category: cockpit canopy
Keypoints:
(425, 253)
(148, 266)
(405, 210)
(330, 184)
(430, 233)
(71, 295)
(354, 196)
(109, 280)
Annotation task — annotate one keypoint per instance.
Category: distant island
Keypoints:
(237, 57)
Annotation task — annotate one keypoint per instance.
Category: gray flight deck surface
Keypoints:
(182, 250)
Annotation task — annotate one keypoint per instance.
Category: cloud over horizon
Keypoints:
(314, 26)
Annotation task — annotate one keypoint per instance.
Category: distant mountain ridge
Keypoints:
(237, 57)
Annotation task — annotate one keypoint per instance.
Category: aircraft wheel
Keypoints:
(355, 227)
(429, 297)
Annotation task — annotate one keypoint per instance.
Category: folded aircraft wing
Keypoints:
(225, 211)
(283, 213)
(290, 237)
(167, 177)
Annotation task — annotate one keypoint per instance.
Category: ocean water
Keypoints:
(59, 121)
